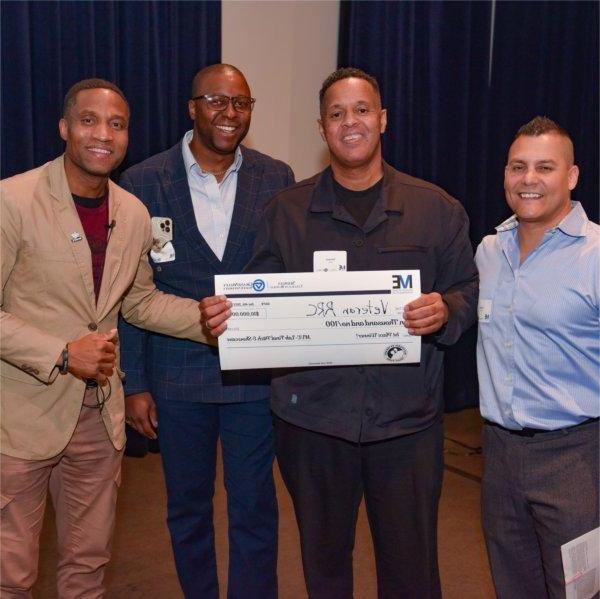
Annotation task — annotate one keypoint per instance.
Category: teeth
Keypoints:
(100, 151)
(226, 128)
(530, 196)
(352, 137)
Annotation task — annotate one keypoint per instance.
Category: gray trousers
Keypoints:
(538, 493)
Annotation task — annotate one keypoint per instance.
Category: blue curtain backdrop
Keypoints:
(150, 49)
(458, 79)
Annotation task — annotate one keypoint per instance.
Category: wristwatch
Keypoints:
(64, 365)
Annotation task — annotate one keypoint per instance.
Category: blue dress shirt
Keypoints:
(538, 351)
(212, 202)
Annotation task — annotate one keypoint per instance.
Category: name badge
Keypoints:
(484, 310)
(329, 261)
(165, 254)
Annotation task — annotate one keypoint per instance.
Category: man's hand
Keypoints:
(140, 414)
(426, 315)
(214, 312)
(93, 356)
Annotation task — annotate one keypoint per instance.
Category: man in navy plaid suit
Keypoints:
(206, 196)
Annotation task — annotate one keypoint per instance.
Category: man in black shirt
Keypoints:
(345, 432)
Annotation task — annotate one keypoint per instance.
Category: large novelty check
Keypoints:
(318, 319)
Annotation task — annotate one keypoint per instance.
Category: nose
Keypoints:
(103, 131)
(349, 119)
(230, 111)
(530, 176)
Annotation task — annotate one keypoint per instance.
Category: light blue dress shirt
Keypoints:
(213, 202)
(538, 351)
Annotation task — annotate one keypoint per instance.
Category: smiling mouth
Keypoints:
(351, 138)
(100, 151)
(530, 196)
(226, 128)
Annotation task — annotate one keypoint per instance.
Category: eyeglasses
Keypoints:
(221, 102)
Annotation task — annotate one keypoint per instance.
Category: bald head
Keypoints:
(207, 73)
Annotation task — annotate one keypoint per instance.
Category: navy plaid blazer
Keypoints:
(178, 369)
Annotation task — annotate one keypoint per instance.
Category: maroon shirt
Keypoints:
(93, 214)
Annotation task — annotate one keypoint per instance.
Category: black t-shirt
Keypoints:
(358, 203)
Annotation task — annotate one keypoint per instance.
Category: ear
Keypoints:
(63, 128)
(573, 176)
(321, 130)
(192, 109)
(383, 120)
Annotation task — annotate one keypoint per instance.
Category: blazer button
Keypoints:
(92, 326)
(35, 371)
(358, 242)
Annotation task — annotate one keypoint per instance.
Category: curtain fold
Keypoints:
(151, 49)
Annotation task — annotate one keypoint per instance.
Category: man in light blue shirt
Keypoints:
(206, 197)
(538, 359)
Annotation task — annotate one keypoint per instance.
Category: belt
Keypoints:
(532, 432)
(91, 383)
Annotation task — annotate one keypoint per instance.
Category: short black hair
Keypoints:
(540, 125)
(346, 73)
(93, 83)
(213, 68)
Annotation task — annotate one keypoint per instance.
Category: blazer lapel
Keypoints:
(180, 202)
(69, 223)
(114, 248)
(249, 177)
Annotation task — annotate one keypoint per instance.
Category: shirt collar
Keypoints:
(190, 162)
(324, 198)
(573, 224)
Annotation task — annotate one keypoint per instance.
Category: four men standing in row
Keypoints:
(340, 433)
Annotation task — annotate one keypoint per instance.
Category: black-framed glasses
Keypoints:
(221, 102)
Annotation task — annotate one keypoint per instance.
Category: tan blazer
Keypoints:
(47, 299)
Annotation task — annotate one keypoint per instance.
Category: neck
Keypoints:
(84, 184)
(358, 178)
(530, 234)
(209, 161)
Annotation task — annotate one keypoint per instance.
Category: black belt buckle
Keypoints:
(91, 383)
(528, 432)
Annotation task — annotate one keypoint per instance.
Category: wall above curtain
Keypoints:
(150, 49)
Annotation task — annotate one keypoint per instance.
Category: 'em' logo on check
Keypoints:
(400, 282)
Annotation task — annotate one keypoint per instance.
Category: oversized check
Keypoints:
(318, 319)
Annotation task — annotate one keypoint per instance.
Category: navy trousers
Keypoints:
(188, 442)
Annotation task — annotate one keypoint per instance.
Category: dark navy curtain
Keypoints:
(458, 79)
(150, 49)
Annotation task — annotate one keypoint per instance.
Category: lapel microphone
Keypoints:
(111, 225)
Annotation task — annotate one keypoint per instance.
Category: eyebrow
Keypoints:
(337, 105)
(522, 161)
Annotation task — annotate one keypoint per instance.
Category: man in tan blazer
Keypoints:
(74, 253)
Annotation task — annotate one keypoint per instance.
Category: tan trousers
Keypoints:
(83, 481)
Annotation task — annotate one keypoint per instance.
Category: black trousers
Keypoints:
(401, 480)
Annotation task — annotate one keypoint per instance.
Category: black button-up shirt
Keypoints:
(413, 225)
